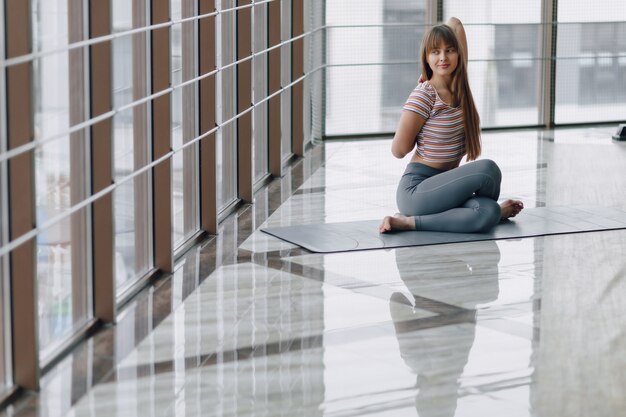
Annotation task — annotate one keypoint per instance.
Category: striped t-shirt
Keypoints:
(442, 139)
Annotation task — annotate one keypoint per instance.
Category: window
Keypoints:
(131, 132)
(285, 76)
(373, 63)
(591, 62)
(505, 58)
(518, 68)
(373, 60)
(226, 106)
(259, 92)
(401, 43)
(64, 284)
(315, 61)
(185, 187)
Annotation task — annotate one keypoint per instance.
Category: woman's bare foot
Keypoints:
(397, 222)
(510, 208)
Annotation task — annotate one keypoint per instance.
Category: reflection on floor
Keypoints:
(252, 326)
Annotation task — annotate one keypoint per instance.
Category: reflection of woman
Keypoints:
(441, 122)
(438, 355)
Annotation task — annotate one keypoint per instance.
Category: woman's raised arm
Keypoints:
(459, 31)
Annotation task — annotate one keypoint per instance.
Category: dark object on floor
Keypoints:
(361, 235)
(621, 133)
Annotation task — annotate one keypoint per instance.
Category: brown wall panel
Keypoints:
(274, 84)
(208, 156)
(78, 164)
(161, 136)
(21, 195)
(244, 101)
(102, 163)
(297, 71)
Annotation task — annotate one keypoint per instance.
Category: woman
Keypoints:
(440, 121)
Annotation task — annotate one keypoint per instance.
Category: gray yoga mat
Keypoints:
(361, 235)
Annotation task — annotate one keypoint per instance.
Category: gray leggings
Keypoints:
(462, 200)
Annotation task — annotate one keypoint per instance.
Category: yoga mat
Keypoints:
(362, 235)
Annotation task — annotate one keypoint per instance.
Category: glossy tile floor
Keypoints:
(251, 326)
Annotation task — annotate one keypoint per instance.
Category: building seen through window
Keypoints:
(404, 26)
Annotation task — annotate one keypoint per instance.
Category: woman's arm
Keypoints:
(459, 31)
(404, 140)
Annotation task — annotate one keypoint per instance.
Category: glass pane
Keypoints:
(373, 63)
(64, 284)
(5, 381)
(285, 75)
(132, 211)
(504, 43)
(602, 11)
(185, 185)
(259, 92)
(132, 256)
(493, 11)
(504, 73)
(132, 250)
(178, 187)
(354, 12)
(5, 312)
(226, 110)
(346, 115)
(316, 60)
(590, 71)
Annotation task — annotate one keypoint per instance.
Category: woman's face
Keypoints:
(443, 60)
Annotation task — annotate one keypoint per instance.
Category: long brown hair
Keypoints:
(460, 89)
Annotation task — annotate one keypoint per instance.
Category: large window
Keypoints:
(285, 76)
(591, 62)
(518, 69)
(131, 132)
(401, 42)
(86, 182)
(64, 288)
(372, 58)
(314, 66)
(259, 92)
(226, 106)
(184, 122)
(372, 61)
(505, 50)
